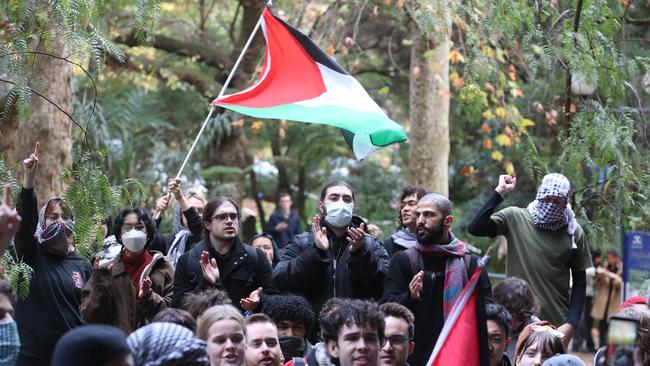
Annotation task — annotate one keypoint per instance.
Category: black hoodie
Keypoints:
(52, 306)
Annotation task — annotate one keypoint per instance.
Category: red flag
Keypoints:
(463, 339)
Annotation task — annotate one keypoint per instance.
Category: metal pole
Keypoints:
(221, 93)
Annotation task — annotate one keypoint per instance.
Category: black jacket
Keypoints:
(319, 275)
(52, 306)
(428, 310)
(242, 270)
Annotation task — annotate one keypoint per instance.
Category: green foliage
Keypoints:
(18, 273)
(94, 198)
(472, 101)
(41, 23)
(611, 176)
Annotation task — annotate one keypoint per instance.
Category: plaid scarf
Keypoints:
(167, 344)
(9, 343)
(180, 240)
(455, 272)
(43, 233)
(549, 216)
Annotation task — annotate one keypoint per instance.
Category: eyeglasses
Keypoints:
(396, 340)
(227, 215)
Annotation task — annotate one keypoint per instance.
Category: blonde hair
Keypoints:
(195, 193)
(215, 314)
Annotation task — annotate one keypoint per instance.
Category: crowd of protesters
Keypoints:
(333, 295)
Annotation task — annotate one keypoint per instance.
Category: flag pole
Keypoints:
(221, 93)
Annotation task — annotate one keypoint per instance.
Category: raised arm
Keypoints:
(482, 224)
(25, 241)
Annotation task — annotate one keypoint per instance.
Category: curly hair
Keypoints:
(349, 312)
(289, 307)
(197, 303)
(419, 192)
(517, 297)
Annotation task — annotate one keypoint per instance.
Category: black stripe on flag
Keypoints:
(317, 54)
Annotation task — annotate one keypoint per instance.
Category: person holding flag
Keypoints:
(430, 277)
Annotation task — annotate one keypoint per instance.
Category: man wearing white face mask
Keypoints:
(130, 290)
(337, 258)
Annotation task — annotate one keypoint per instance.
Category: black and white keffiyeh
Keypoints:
(167, 344)
(180, 240)
(549, 216)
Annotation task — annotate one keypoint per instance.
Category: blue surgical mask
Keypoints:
(9, 343)
(338, 214)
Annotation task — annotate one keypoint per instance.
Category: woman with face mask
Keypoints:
(44, 242)
(131, 289)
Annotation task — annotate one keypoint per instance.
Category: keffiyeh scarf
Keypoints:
(63, 227)
(549, 216)
(455, 272)
(167, 344)
(180, 240)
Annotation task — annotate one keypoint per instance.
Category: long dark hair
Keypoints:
(212, 206)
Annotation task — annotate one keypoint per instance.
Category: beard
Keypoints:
(430, 236)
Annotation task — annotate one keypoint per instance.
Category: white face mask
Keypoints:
(339, 213)
(134, 240)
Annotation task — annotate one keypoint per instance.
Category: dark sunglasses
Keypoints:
(222, 217)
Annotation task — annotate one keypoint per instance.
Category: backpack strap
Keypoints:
(414, 260)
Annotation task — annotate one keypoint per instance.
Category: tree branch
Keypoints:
(52, 103)
(196, 79)
(640, 22)
(206, 55)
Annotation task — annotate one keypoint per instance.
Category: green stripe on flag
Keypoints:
(382, 130)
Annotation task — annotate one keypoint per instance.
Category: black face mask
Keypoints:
(292, 346)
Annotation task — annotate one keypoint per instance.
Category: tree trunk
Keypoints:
(46, 125)
(234, 150)
(429, 111)
(283, 176)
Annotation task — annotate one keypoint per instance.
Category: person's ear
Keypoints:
(333, 348)
(508, 341)
(322, 208)
(411, 347)
(448, 220)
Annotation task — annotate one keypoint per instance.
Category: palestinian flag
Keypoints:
(300, 82)
(463, 338)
